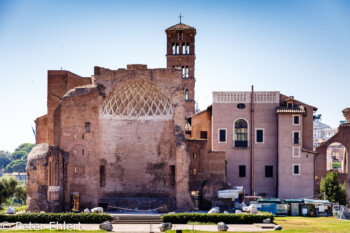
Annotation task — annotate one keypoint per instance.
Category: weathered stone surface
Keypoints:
(165, 226)
(346, 113)
(222, 226)
(87, 210)
(268, 220)
(37, 183)
(209, 192)
(81, 90)
(107, 226)
(278, 228)
(214, 210)
(253, 209)
(97, 210)
(10, 210)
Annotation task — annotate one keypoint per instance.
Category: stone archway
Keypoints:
(337, 157)
(341, 137)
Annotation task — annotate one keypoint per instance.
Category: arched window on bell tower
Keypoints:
(186, 94)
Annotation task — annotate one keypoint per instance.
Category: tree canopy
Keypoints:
(18, 165)
(15, 162)
(334, 192)
(5, 158)
(7, 188)
(25, 147)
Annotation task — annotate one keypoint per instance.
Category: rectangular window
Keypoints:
(87, 127)
(296, 169)
(172, 176)
(296, 120)
(296, 151)
(222, 135)
(194, 172)
(241, 170)
(204, 135)
(268, 171)
(194, 155)
(102, 176)
(259, 136)
(296, 137)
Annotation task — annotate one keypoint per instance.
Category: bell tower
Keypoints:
(181, 54)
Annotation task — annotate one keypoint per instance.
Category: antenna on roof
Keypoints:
(180, 17)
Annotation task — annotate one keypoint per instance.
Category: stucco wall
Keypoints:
(289, 185)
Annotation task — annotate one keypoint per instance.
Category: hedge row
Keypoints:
(184, 218)
(56, 217)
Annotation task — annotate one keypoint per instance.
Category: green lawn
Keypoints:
(304, 224)
(47, 230)
(309, 224)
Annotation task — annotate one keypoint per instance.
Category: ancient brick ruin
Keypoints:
(117, 138)
(343, 137)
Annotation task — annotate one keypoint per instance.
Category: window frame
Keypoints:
(256, 135)
(187, 93)
(294, 147)
(200, 135)
(239, 171)
(219, 135)
(234, 132)
(298, 138)
(296, 174)
(294, 121)
(271, 172)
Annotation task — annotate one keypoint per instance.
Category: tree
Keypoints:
(343, 194)
(4, 159)
(25, 147)
(333, 191)
(7, 188)
(20, 193)
(19, 155)
(16, 166)
(22, 151)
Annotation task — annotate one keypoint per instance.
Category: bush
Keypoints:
(184, 218)
(56, 217)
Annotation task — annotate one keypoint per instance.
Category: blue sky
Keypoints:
(298, 47)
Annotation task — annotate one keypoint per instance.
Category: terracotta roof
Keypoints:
(180, 27)
(296, 109)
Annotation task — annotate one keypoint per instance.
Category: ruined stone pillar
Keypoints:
(346, 113)
(183, 199)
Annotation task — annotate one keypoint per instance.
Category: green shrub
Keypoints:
(56, 217)
(184, 218)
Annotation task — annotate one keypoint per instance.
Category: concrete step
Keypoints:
(265, 225)
(135, 222)
(136, 218)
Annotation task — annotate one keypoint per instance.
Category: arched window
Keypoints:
(186, 94)
(241, 133)
(177, 49)
(173, 48)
